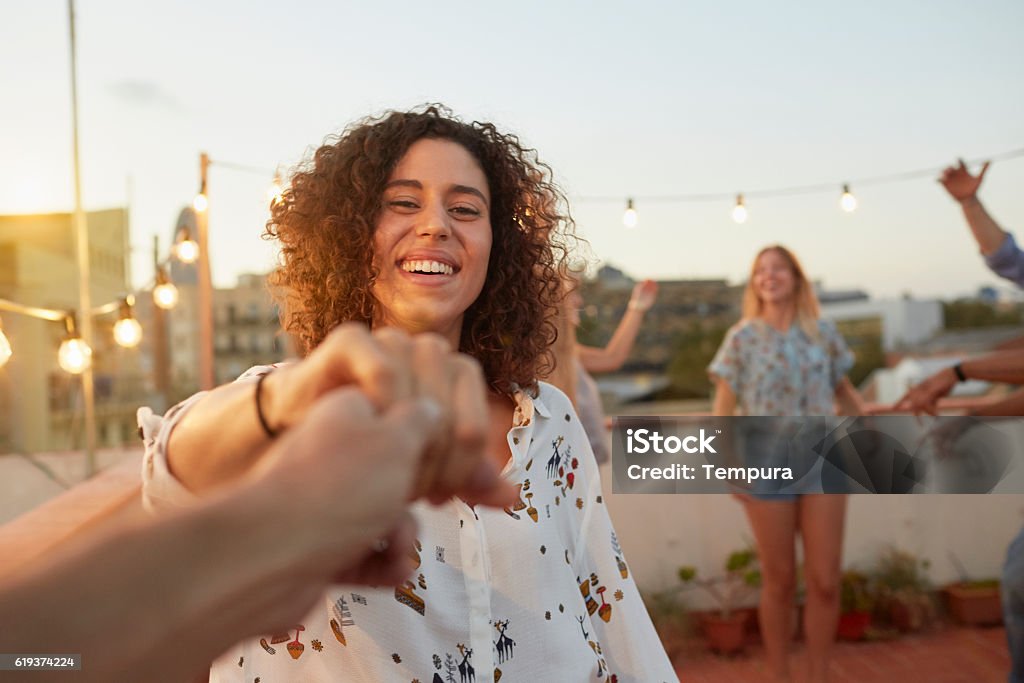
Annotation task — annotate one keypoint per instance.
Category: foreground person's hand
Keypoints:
(391, 366)
(924, 397)
(341, 480)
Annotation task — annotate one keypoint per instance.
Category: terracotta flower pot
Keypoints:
(853, 625)
(975, 605)
(907, 615)
(725, 635)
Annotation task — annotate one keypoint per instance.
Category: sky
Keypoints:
(641, 99)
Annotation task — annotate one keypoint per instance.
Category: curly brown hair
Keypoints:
(325, 223)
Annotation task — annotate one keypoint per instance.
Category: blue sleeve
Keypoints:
(1007, 261)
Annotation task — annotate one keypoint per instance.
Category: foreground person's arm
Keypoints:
(1000, 366)
(158, 600)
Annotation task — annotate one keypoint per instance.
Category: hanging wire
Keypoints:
(930, 172)
(242, 167)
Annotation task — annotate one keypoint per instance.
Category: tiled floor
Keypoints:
(946, 655)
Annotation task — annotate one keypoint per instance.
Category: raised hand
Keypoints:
(644, 294)
(959, 183)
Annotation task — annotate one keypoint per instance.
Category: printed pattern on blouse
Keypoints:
(782, 373)
(538, 591)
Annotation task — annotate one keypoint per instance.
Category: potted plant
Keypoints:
(904, 591)
(975, 603)
(726, 628)
(855, 604)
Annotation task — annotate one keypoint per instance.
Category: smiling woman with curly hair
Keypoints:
(325, 222)
(451, 232)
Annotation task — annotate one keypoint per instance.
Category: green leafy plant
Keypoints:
(899, 571)
(741, 578)
(903, 590)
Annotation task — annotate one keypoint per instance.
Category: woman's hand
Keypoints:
(644, 294)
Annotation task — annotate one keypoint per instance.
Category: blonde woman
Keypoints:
(782, 359)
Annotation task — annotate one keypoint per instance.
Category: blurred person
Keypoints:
(1004, 258)
(419, 221)
(584, 359)
(157, 599)
(782, 359)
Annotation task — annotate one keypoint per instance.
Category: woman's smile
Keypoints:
(434, 227)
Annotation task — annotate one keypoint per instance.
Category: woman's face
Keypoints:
(432, 239)
(774, 280)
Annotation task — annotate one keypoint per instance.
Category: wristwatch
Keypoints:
(959, 371)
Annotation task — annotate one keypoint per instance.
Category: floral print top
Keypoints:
(540, 591)
(782, 373)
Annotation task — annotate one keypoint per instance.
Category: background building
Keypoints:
(41, 405)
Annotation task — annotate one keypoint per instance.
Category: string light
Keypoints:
(127, 330)
(276, 190)
(629, 218)
(5, 347)
(74, 355)
(165, 294)
(847, 202)
(739, 212)
(200, 203)
(186, 248)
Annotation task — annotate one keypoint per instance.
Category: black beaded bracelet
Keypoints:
(960, 376)
(272, 433)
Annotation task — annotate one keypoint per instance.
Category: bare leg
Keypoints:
(821, 527)
(774, 526)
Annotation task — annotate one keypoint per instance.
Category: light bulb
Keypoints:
(165, 295)
(847, 202)
(5, 349)
(629, 218)
(275, 191)
(200, 203)
(739, 212)
(74, 356)
(128, 332)
(187, 250)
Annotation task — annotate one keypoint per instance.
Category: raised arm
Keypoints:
(611, 357)
(963, 187)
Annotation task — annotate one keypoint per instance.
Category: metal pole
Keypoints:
(82, 232)
(205, 285)
(161, 359)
